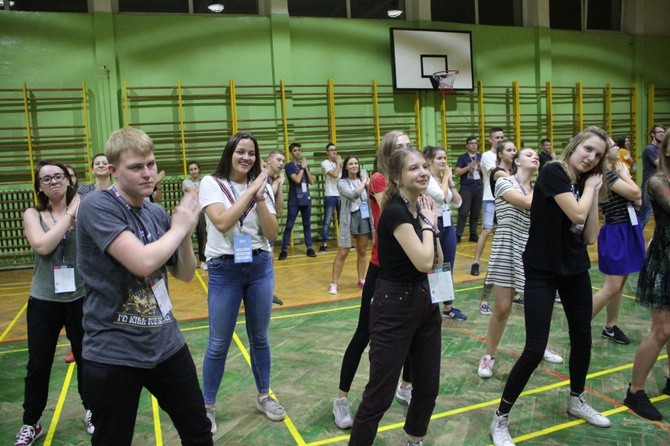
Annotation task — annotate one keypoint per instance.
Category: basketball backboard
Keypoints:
(419, 53)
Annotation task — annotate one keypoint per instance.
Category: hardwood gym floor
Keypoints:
(309, 335)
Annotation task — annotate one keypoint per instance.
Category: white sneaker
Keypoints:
(486, 364)
(579, 408)
(271, 408)
(342, 412)
(552, 356)
(210, 416)
(87, 422)
(203, 266)
(404, 396)
(332, 288)
(498, 430)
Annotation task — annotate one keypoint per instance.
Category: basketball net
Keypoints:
(443, 81)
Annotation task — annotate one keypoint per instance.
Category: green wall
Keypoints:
(62, 50)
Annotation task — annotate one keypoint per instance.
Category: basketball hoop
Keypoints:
(444, 80)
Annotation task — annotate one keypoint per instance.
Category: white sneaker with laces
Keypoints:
(552, 357)
(579, 408)
(498, 430)
(29, 434)
(332, 288)
(404, 396)
(486, 364)
(342, 412)
(88, 423)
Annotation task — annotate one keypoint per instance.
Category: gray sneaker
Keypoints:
(271, 408)
(210, 416)
(342, 412)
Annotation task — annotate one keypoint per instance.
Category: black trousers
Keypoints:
(45, 321)
(470, 207)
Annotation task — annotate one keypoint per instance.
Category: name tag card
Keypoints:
(303, 185)
(632, 214)
(162, 296)
(365, 210)
(64, 279)
(446, 216)
(441, 284)
(242, 249)
(475, 174)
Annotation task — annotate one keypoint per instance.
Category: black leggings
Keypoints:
(361, 338)
(577, 300)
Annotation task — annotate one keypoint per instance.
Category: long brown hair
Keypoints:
(42, 199)
(600, 168)
(396, 164)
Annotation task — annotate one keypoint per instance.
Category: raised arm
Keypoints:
(225, 218)
(142, 260)
(42, 242)
(421, 252)
(578, 211)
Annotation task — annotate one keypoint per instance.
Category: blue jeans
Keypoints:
(329, 205)
(229, 284)
(291, 215)
(645, 209)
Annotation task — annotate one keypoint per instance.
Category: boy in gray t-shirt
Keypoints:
(131, 338)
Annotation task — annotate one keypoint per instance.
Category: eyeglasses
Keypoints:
(49, 178)
(659, 131)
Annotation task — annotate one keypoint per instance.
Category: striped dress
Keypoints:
(509, 241)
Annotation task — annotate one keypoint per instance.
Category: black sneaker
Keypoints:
(666, 389)
(474, 238)
(276, 300)
(311, 253)
(283, 255)
(615, 334)
(323, 248)
(474, 269)
(639, 403)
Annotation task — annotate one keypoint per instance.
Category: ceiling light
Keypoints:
(215, 7)
(393, 13)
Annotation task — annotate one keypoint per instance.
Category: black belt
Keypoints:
(232, 256)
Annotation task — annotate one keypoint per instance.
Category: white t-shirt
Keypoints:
(487, 163)
(435, 192)
(220, 243)
(331, 182)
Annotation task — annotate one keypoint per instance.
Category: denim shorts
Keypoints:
(488, 211)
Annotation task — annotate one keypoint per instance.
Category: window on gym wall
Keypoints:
(46, 5)
(153, 6)
(602, 15)
(317, 8)
(482, 12)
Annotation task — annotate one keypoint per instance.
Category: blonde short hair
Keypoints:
(127, 139)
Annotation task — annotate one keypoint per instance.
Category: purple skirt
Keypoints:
(621, 249)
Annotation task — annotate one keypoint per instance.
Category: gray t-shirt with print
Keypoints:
(123, 324)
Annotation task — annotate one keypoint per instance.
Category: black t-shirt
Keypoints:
(394, 264)
(553, 245)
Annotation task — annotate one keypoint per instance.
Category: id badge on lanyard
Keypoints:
(441, 284)
(446, 216)
(365, 210)
(64, 279)
(161, 293)
(242, 248)
(632, 214)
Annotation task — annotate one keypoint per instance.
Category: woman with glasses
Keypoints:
(56, 291)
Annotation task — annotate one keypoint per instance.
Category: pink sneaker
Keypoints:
(361, 283)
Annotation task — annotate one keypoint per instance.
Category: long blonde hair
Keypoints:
(600, 168)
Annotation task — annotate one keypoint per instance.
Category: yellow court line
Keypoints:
(59, 405)
(628, 296)
(13, 322)
(157, 421)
